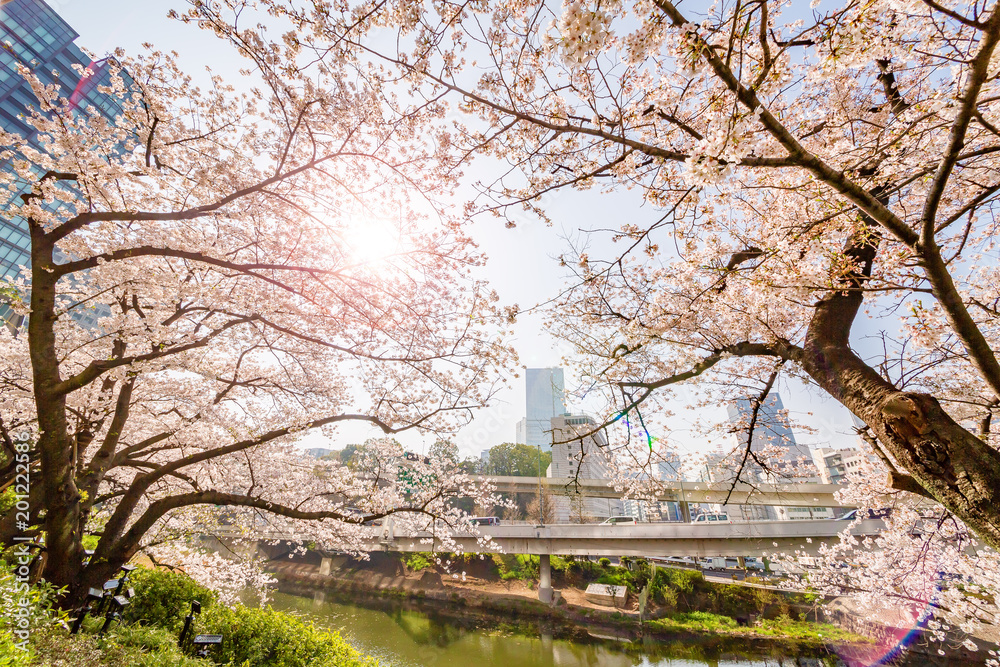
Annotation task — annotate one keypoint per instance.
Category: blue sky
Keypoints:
(522, 267)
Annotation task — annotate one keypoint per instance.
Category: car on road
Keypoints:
(485, 521)
(712, 518)
(619, 521)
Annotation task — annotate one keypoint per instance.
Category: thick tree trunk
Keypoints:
(63, 541)
(954, 466)
(951, 464)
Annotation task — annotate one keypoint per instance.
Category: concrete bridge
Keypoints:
(645, 539)
(788, 495)
(756, 538)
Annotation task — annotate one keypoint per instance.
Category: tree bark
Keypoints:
(954, 466)
(63, 539)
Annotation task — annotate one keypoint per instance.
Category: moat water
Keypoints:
(408, 634)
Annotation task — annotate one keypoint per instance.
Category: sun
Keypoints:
(371, 241)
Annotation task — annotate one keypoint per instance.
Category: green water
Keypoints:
(400, 635)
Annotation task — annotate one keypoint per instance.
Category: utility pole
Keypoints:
(541, 510)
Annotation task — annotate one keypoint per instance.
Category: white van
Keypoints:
(714, 563)
(712, 518)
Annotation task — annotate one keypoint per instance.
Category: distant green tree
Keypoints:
(471, 465)
(343, 455)
(444, 450)
(517, 460)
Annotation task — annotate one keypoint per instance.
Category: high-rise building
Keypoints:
(583, 458)
(788, 460)
(543, 400)
(669, 470)
(32, 34)
(770, 428)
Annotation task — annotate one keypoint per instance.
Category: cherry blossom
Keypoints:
(215, 235)
(813, 177)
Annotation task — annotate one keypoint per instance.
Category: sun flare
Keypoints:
(367, 241)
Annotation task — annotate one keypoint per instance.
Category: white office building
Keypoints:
(582, 457)
(834, 465)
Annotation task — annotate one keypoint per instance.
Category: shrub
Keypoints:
(516, 566)
(123, 646)
(681, 580)
(163, 598)
(641, 572)
(615, 579)
(415, 562)
(584, 569)
(604, 562)
(268, 638)
(25, 611)
(735, 600)
(695, 620)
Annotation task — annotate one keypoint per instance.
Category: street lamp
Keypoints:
(195, 609)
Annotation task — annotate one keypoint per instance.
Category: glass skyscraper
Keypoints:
(771, 428)
(34, 35)
(543, 400)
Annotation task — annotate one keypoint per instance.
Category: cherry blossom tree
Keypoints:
(264, 262)
(812, 176)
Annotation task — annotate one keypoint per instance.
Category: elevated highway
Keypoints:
(647, 539)
(754, 538)
(757, 538)
(789, 495)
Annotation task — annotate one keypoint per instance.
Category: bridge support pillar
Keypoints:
(326, 566)
(544, 578)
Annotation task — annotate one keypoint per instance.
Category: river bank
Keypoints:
(783, 626)
(424, 633)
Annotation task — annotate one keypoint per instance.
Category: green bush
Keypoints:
(640, 572)
(584, 569)
(561, 563)
(604, 562)
(616, 579)
(735, 600)
(517, 566)
(669, 583)
(417, 561)
(25, 611)
(268, 638)
(684, 581)
(696, 620)
(123, 646)
(163, 598)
